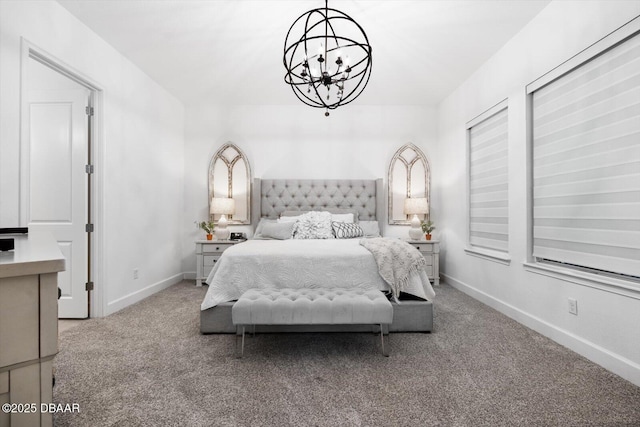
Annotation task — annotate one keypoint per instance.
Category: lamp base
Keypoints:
(415, 233)
(221, 233)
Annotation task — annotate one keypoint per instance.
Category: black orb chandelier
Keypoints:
(326, 64)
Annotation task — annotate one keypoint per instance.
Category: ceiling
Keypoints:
(229, 52)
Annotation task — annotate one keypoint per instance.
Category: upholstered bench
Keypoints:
(332, 306)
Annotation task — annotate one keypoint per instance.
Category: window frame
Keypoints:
(474, 250)
(585, 276)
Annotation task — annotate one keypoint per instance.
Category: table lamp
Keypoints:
(416, 206)
(222, 206)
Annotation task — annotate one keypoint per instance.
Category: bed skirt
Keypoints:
(408, 316)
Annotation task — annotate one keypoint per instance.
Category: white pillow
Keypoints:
(263, 221)
(288, 218)
(370, 228)
(278, 230)
(347, 217)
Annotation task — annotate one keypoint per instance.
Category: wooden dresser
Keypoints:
(28, 328)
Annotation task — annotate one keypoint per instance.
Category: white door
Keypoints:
(56, 153)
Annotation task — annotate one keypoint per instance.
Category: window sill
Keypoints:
(495, 256)
(596, 281)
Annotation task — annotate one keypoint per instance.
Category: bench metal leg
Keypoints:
(241, 338)
(385, 352)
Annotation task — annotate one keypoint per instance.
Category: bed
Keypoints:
(316, 262)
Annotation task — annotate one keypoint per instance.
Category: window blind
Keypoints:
(488, 183)
(586, 164)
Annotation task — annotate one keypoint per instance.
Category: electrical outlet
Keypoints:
(135, 273)
(573, 306)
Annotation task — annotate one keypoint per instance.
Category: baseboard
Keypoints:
(189, 275)
(137, 296)
(613, 362)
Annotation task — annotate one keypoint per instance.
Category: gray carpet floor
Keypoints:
(148, 365)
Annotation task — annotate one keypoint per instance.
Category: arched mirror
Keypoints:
(230, 177)
(409, 177)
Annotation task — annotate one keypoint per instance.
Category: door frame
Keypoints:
(97, 154)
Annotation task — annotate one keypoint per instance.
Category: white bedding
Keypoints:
(331, 263)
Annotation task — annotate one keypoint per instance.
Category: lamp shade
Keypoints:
(222, 206)
(417, 205)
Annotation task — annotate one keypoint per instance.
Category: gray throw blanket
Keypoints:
(396, 260)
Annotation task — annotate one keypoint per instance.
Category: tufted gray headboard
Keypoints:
(271, 197)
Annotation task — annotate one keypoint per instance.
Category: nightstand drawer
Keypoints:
(429, 270)
(210, 260)
(423, 247)
(206, 270)
(428, 259)
(215, 248)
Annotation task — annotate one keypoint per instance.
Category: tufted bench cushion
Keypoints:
(305, 306)
(312, 307)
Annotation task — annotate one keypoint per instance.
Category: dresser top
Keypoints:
(37, 253)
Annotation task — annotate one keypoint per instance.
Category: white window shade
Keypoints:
(586, 164)
(488, 182)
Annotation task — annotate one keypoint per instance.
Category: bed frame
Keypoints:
(272, 197)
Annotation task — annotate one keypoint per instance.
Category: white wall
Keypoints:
(140, 144)
(297, 141)
(606, 328)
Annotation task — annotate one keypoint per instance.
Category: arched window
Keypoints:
(230, 176)
(409, 176)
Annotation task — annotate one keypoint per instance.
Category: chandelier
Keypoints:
(326, 64)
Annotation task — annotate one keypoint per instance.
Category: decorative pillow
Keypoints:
(278, 230)
(263, 221)
(313, 225)
(370, 228)
(345, 230)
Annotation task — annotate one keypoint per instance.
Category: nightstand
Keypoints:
(207, 254)
(430, 250)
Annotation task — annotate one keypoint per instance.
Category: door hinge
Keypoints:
(88, 228)
(88, 286)
(89, 111)
(88, 168)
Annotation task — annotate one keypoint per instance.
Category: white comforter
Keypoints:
(293, 263)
